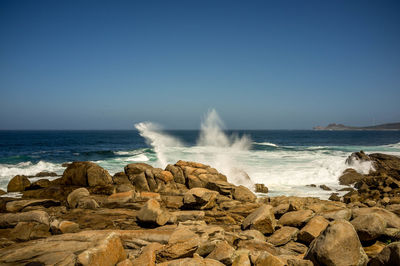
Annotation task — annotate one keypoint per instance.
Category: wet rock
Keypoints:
(390, 255)
(199, 199)
(296, 218)
(334, 197)
(369, 226)
(85, 174)
(151, 213)
(337, 245)
(283, 235)
(262, 219)
(45, 174)
(12, 219)
(325, 187)
(222, 252)
(350, 176)
(312, 229)
(18, 183)
(261, 188)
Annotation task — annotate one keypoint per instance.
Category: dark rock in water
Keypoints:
(85, 174)
(242, 193)
(357, 157)
(325, 187)
(18, 184)
(261, 188)
(334, 197)
(311, 185)
(66, 164)
(350, 176)
(45, 173)
(346, 189)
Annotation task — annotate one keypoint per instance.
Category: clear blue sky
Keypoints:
(261, 64)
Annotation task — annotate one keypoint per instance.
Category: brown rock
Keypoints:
(261, 188)
(262, 219)
(266, 258)
(182, 243)
(312, 229)
(45, 173)
(350, 176)
(80, 198)
(18, 205)
(85, 174)
(374, 249)
(11, 219)
(25, 231)
(242, 193)
(152, 213)
(147, 255)
(392, 220)
(222, 252)
(325, 187)
(283, 235)
(68, 227)
(136, 174)
(18, 183)
(296, 218)
(200, 199)
(337, 245)
(390, 255)
(369, 226)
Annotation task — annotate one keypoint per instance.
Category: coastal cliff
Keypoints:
(391, 126)
(189, 214)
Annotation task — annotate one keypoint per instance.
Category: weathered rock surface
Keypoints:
(200, 199)
(296, 218)
(337, 245)
(152, 213)
(312, 229)
(283, 235)
(18, 183)
(390, 255)
(262, 219)
(369, 226)
(85, 174)
(12, 219)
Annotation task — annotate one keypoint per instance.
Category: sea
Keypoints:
(286, 161)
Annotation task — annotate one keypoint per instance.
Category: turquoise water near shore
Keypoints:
(285, 160)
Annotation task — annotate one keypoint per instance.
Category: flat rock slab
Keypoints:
(17, 205)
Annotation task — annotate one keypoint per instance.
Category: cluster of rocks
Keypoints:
(380, 187)
(185, 214)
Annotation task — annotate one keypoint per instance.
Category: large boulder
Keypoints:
(85, 174)
(199, 199)
(18, 183)
(242, 193)
(222, 252)
(262, 219)
(369, 226)
(337, 245)
(152, 213)
(312, 229)
(350, 176)
(392, 220)
(283, 235)
(18, 205)
(296, 218)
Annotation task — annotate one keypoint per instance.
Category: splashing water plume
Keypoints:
(158, 139)
(213, 147)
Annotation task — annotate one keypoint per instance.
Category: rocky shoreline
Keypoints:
(188, 214)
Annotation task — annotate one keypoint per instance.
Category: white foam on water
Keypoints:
(7, 171)
(266, 144)
(138, 158)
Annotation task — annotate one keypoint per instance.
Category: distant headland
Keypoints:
(391, 126)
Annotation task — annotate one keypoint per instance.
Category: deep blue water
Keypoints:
(284, 159)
